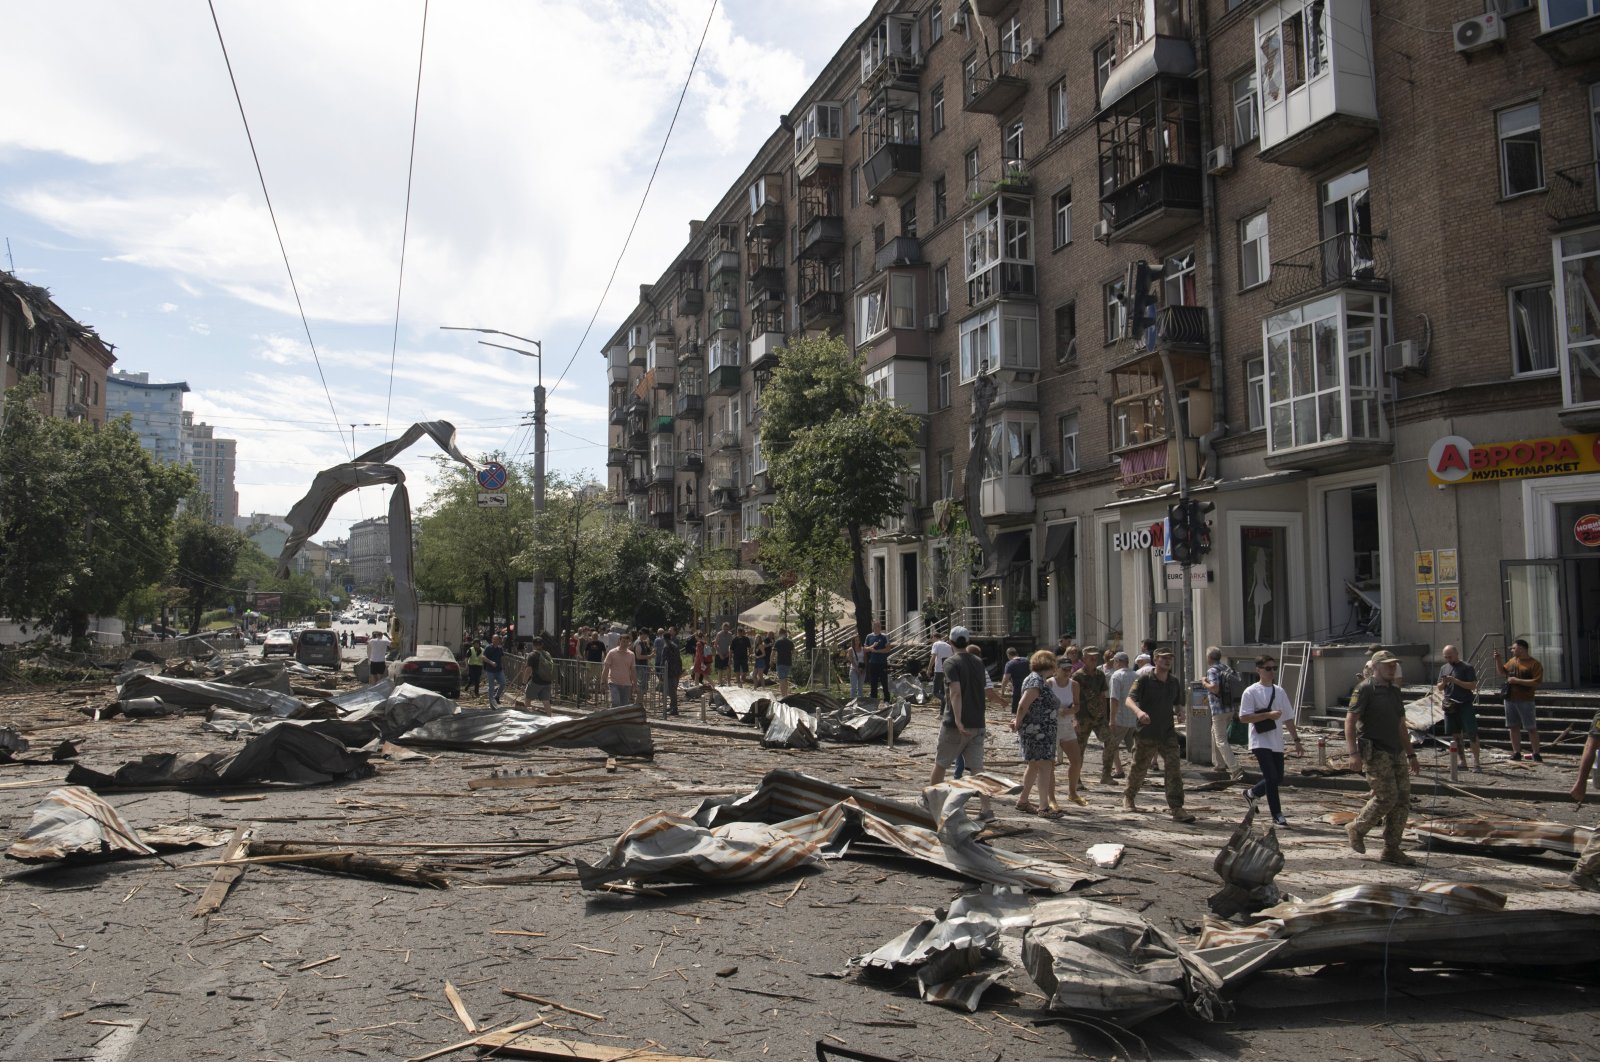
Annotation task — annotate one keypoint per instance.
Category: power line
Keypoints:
(273, 214)
(643, 199)
(405, 227)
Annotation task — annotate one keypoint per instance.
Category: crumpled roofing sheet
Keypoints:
(623, 731)
(1504, 834)
(394, 710)
(288, 755)
(73, 823)
(856, 722)
(1438, 922)
(664, 846)
(956, 954)
(1098, 959)
(788, 727)
(351, 734)
(201, 693)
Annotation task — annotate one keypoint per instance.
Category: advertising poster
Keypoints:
(1424, 559)
(1450, 604)
(1446, 568)
(1426, 611)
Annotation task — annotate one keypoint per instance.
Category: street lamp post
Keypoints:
(537, 354)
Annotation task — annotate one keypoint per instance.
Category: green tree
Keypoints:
(208, 553)
(255, 571)
(458, 541)
(836, 457)
(86, 515)
(639, 578)
(568, 538)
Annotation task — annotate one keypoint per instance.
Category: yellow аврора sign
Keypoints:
(1453, 459)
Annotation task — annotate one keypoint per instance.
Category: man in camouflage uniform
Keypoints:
(1094, 710)
(1154, 702)
(1586, 875)
(1375, 735)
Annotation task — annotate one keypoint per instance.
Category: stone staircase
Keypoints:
(1564, 719)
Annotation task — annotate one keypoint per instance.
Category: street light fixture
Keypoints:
(538, 437)
(353, 427)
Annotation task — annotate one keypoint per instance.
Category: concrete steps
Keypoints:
(1560, 712)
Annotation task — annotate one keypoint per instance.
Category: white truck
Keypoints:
(440, 625)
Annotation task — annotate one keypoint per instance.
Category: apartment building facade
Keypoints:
(1330, 264)
(40, 339)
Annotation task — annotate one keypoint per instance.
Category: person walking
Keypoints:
(1069, 693)
(1154, 701)
(1458, 682)
(962, 726)
(1523, 675)
(762, 655)
(1123, 724)
(1093, 713)
(1266, 707)
(1035, 722)
(377, 657)
(878, 660)
(858, 669)
(617, 670)
(739, 650)
(475, 667)
(494, 671)
(938, 653)
(1376, 737)
(671, 670)
(541, 673)
(783, 660)
(1219, 682)
(643, 654)
(1591, 749)
(1014, 674)
(722, 647)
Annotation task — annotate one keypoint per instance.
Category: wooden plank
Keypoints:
(509, 1030)
(459, 1007)
(231, 871)
(551, 1003)
(523, 1045)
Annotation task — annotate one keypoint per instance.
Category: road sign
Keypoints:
(492, 477)
(489, 500)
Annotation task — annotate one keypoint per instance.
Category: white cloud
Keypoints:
(167, 307)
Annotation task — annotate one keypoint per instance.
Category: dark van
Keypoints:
(318, 647)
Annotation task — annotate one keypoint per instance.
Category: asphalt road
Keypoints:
(105, 962)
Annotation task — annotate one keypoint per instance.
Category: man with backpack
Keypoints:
(1224, 688)
(541, 673)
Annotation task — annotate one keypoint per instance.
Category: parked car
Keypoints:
(433, 667)
(358, 638)
(318, 647)
(278, 641)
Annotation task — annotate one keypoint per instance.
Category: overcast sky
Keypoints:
(128, 190)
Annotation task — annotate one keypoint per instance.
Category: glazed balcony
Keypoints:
(662, 425)
(691, 301)
(1315, 65)
(766, 339)
(638, 346)
(724, 262)
(617, 364)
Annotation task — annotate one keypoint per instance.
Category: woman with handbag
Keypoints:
(1267, 709)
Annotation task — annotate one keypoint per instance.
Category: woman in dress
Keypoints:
(1064, 684)
(1035, 724)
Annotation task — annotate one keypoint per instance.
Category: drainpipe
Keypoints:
(1208, 205)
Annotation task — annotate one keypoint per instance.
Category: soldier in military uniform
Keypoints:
(1376, 736)
(1094, 710)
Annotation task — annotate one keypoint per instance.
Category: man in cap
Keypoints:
(1154, 701)
(1375, 735)
(1094, 713)
(962, 723)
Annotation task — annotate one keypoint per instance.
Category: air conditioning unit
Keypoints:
(1219, 160)
(1475, 34)
(1401, 357)
(1102, 230)
(958, 20)
(1043, 465)
(1031, 50)
(933, 322)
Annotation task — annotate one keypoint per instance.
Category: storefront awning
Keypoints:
(1010, 548)
(1057, 537)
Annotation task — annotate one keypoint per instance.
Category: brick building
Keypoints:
(1364, 236)
(41, 339)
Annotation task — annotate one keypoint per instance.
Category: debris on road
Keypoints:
(72, 824)
(1504, 836)
(284, 755)
(1247, 865)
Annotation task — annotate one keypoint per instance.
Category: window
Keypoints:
(1578, 323)
(947, 474)
(1246, 109)
(1347, 251)
(903, 303)
(1067, 334)
(941, 206)
(1003, 337)
(1255, 393)
(1533, 329)
(1116, 311)
(971, 168)
(879, 235)
(935, 22)
(1016, 145)
(855, 186)
(1069, 442)
(1010, 43)
(908, 216)
(999, 248)
(941, 288)
(852, 110)
(1013, 443)
(1105, 61)
(1061, 211)
(1558, 13)
(1521, 150)
(944, 384)
(1322, 371)
(872, 316)
(1255, 253)
(1058, 107)
(1054, 15)
(1178, 280)
(855, 263)
(936, 107)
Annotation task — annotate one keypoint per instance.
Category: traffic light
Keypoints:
(1180, 533)
(1199, 529)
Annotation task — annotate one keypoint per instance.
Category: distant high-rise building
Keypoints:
(369, 554)
(213, 459)
(171, 433)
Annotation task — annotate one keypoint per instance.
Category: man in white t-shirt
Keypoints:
(937, 655)
(377, 657)
(1269, 711)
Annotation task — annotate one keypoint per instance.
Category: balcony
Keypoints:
(638, 347)
(992, 8)
(691, 407)
(821, 309)
(617, 364)
(619, 413)
(1573, 201)
(765, 267)
(766, 221)
(818, 139)
(690, 461)
(727, 361)
(822, 237)
(1150, 179)
(691, 515)
(1156, 205)
(689, 353)
(1141, 432)
(898, 251)
(724, 497)
(1575, 35)
(892, 50)
(725, 440)
(724, 262)
(1153, 463)
(1010, 494)
(1317, 99)
(1345, 260)
(616, 457)
(766, 339)
(691, 301)
(637, 485)
(1177, 328)
(663, 470)
(665, 378)
(661, 519)
(997, 88)
(893, 169)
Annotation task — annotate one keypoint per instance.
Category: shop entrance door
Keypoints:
(1535, 600)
